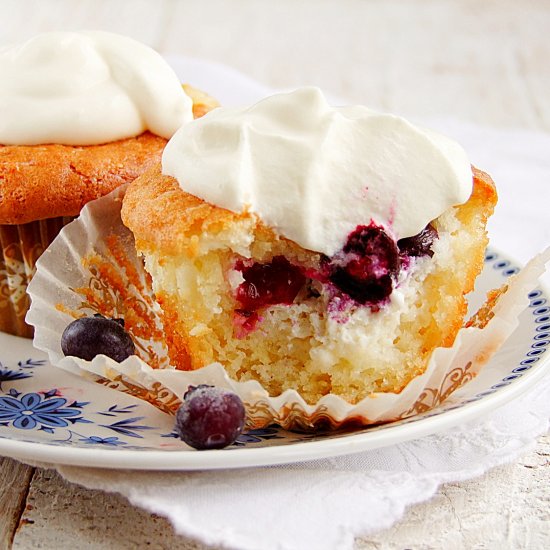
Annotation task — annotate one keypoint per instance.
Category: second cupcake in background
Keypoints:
(81, 113)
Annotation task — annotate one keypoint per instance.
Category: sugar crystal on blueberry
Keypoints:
(210, 417)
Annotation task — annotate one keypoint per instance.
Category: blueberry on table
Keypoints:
(91, 336)
(210, 417)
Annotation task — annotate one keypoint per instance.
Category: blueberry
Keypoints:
(276, 282)
(419, 245)
(362, 289)
(369, 263)
(210, 417)
(91, 336)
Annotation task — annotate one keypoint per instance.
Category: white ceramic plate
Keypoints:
(49, 415)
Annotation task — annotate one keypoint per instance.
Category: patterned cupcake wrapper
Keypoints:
(92, 267)
(21, 245)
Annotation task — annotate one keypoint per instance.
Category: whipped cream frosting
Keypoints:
(86, 88)
(315, 172)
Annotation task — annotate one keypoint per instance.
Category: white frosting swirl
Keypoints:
(315, 172)
(85, 88)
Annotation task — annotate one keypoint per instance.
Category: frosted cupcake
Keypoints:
(320, 249)
(80, 114)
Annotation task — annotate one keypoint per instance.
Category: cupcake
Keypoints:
(81, 113)
(322, 249)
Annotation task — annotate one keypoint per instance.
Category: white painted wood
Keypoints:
(484, 61)
(508, 508)
(427, 57)
(140, 19)
(61, 516)
(14, 482)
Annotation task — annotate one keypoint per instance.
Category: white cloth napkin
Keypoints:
(324, 504)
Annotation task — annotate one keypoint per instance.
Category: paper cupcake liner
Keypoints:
(21, 245)
(92, 267)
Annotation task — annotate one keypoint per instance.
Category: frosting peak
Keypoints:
(85, 88)
(315, 172)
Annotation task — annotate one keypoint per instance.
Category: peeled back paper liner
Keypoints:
(20, 246)
(92, 267)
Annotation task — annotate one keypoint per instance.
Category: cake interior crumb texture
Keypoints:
(316, 345)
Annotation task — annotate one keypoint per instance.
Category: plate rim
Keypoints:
(191, 460)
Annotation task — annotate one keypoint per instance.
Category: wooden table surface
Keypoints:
(481, 60)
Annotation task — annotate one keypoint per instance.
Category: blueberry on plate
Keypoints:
(210, 417)
(91, 336)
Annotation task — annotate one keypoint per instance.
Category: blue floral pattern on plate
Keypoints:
(40, 404)
(36, 407)
(34, 410)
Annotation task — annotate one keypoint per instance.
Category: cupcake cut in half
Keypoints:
(82, 113)
(326, 250)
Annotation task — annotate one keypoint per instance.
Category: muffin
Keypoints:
(321, 249)
(82, 113)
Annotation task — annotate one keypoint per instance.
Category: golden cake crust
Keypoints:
(47, 181)
(165, 218)
(162, 217)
